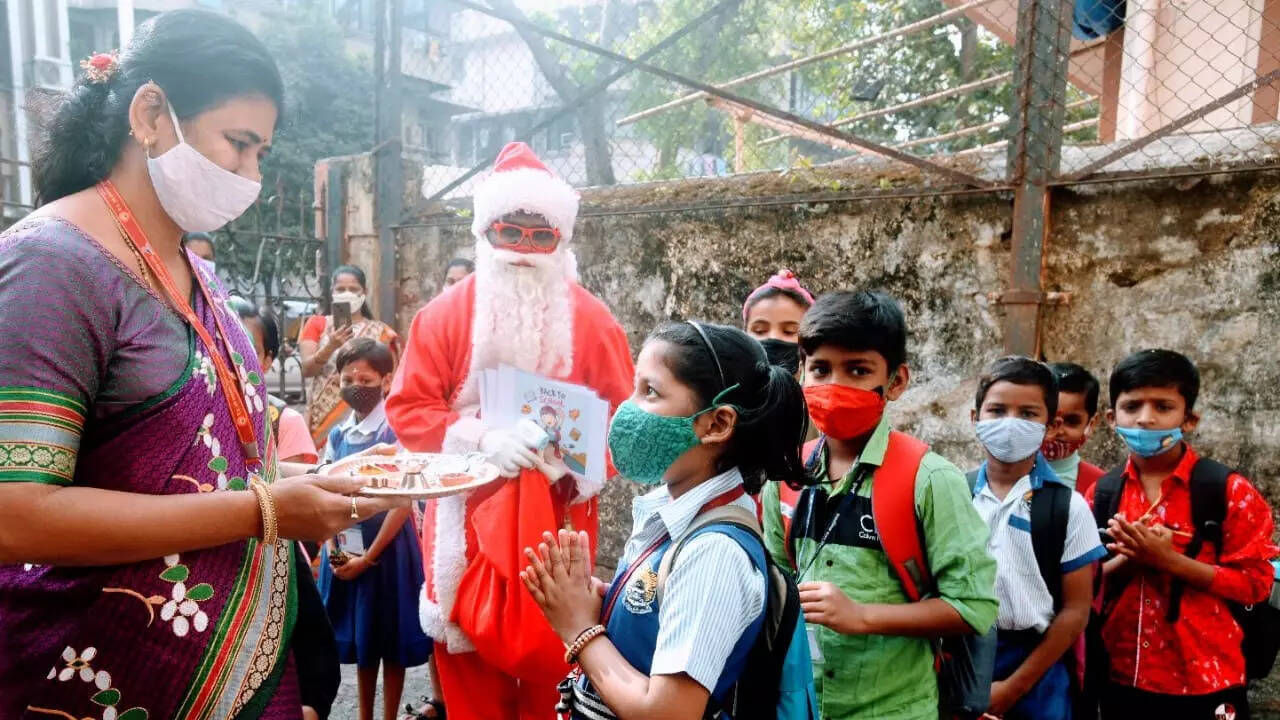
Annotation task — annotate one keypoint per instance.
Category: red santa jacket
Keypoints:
(461, 554)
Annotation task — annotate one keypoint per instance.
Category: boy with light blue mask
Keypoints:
(1042, 536)
(1172, 645)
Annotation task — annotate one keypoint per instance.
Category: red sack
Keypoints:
(494, 608)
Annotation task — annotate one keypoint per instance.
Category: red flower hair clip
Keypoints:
(99, 67)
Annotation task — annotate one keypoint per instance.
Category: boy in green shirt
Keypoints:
(871, 647)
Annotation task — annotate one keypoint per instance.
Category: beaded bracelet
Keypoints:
(586, 636)
(267, 506)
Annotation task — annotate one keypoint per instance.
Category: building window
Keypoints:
(52, 35)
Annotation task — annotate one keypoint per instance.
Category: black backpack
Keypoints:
(1050, 511)
(1260, 622)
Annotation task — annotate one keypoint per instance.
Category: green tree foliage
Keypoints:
(762, 33)
(329, 108)
(735, 42)
(329, 111)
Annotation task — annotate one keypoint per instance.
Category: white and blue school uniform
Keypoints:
(713, 601)
(1026, 606)
(375, 616)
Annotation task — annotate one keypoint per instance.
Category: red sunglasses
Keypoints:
(506, 236)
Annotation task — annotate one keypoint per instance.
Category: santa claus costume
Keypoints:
(496, 656)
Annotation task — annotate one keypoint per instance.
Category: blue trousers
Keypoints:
(1050, 698)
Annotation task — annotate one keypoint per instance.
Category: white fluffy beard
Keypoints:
(523, 316)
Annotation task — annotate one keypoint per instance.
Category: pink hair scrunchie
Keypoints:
(782, 280)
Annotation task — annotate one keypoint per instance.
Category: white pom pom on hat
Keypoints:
(521, 182)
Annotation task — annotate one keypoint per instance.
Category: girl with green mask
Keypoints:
(709, 422)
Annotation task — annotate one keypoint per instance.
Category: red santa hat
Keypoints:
(520, 181)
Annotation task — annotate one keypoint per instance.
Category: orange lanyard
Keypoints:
(232, 390)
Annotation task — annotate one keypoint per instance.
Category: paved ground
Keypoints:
(416, 684)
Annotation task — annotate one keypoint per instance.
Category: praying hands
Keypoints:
(559, 578)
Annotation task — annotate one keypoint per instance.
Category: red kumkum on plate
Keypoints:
(417, 475)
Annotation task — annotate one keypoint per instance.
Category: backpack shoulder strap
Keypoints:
(1106, 498)
(1209, 499)
(1050, 511)
(725, 514)
(893, 507)
(1208, 512)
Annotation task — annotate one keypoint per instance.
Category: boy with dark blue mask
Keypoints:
(1173, 647)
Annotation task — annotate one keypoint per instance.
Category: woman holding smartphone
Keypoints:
(324, 335)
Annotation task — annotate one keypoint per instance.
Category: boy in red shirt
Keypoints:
(1190, 666)
(1078, 418)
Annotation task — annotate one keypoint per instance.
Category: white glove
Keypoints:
(507, 451)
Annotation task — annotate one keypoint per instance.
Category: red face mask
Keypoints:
(1060, 449)
(844, 412)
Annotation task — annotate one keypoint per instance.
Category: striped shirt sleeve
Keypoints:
(1082, 546)
(712, 594)
(52, 362)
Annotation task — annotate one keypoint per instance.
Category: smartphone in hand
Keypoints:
(341, 315)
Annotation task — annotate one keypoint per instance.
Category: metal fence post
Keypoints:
(388, 168)
(1035, 146)
(335, 215)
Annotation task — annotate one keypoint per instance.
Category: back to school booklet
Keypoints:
(574, 416)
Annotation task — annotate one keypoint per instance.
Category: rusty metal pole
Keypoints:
(388, 163)
(1035, 147)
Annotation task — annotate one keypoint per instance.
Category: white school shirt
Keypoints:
(1025, 602)
(714, 591)
(359, 432)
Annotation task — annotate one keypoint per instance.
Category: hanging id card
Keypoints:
(351, 541)
(815, 647)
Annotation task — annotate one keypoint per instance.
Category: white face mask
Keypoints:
(352, 300)
(1011, 439)
(196, 193)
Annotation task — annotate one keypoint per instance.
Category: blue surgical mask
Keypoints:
(1150, 443)
(1010, 439)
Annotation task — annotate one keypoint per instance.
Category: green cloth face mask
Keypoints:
(644, 444)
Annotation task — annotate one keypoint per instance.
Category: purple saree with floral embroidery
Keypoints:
(102, 385)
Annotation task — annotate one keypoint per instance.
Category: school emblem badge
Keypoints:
(1225, 711)
(641, 591)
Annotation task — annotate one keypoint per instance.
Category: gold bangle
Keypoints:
(585, 637)
(267, 506)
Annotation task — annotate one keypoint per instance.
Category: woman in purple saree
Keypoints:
(140, 574)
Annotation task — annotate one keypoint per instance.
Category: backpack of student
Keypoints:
(965, 663)
(1050, 513)
(777, 681)
(1260, 622)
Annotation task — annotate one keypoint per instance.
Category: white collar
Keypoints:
(1020, 488)
(372, 422)
(677, 514)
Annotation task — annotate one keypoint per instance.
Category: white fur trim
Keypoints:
(587, 489)
(463, 436)
(434, 626)
(449, 561)
(529, 190)
(523, 317)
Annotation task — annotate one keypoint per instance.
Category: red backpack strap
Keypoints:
(893, 506)
(1087, 476)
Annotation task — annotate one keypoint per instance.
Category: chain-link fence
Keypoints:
(927, 93)
(1185, 86)
(270, 256)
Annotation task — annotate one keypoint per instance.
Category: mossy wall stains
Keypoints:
(1189, 265)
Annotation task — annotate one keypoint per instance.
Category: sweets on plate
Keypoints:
(455, 479)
